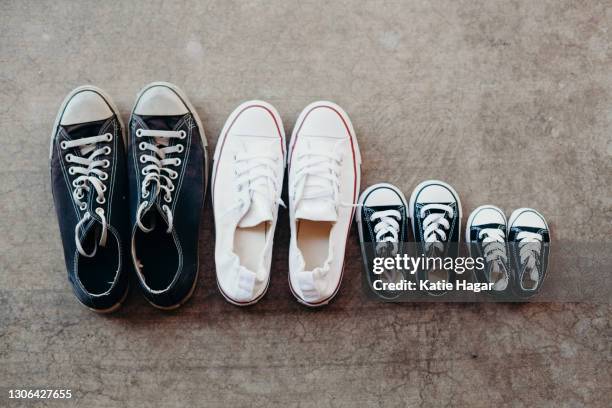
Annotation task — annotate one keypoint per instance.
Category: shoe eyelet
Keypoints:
(104, 176)
(143, 159)
(71, 171)
(104, 188)
(83, 206)
(109, 137)
(180, 148)
(68, 158)
(99, 210)
(178, 162)
(174, 176)
(100, 201)
(167, 198)
(142, 145)
(107, 150)
(64, 144)
(80, 196)
(75, 183)
(139, 133)
(106, 164)
(171, 188)
(145, 194)
(182, 134)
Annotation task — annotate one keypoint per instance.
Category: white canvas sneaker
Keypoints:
(324, 176)
(247, 180)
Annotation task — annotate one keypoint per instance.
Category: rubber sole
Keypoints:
(183, 301)
(113, 308)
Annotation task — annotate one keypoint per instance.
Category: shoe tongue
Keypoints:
(316, 210)
(161, 123)
(259, 211)
(82, 130)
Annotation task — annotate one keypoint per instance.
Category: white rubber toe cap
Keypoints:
(488, 215)
(435, 193)
(324, 119)
(160, 100)
(256, 119)
(85, 106)
(382, 195)
(529, 218)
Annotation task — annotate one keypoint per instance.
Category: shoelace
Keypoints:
(494, 246)
(90, 176)
(317, 174)
(435, 225)
(256, 174)
(530, 245)
(156, 172)
(386, 229)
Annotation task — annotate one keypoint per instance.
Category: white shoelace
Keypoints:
(494, 250)
(157, 172)
(435, 225)
(388, 224)
(530, 245)
(493, 244)
(256, 174)
(90, 176)
(317, 174)
(386, 229)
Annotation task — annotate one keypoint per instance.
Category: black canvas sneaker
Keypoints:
(486, 238)
(88, 180)
(167, 169)
(382, 221)
(529, 240)
(435, 210)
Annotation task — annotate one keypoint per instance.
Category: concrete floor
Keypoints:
(509, 101)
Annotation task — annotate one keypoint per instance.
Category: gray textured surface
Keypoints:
(509, 101)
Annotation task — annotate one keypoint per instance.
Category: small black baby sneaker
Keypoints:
(435, 210)
(88, 176)
(382, 222)
(529, 241)
(167, 170)
(485, 235)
